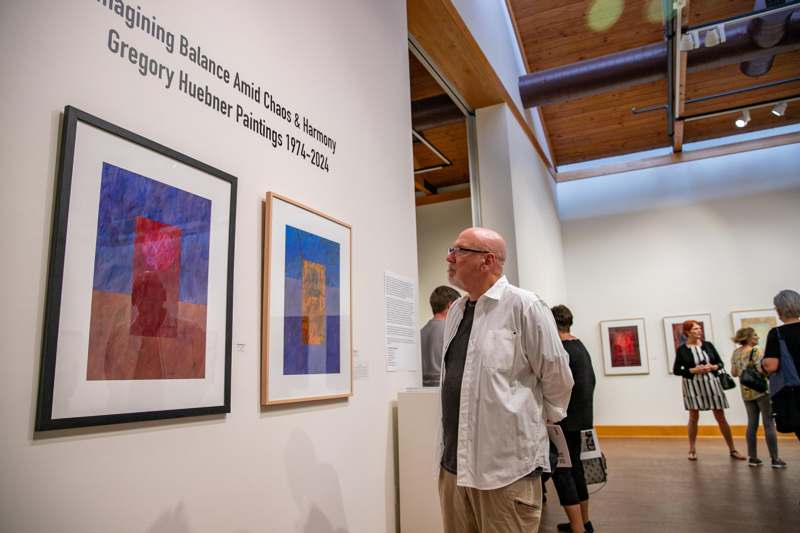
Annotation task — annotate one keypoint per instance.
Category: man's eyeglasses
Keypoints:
(460, 250)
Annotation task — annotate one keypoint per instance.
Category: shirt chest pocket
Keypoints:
(499, 349)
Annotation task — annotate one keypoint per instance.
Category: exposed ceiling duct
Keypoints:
(765, 32)
(433, 112)
(752, 44)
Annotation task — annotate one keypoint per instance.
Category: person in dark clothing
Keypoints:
(787, 305)
(570, 482)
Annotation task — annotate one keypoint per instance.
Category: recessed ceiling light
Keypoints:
(743, 119)
(780, 109)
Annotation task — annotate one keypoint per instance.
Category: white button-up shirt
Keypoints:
(516, 375)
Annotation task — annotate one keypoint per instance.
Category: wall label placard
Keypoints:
(317, 153)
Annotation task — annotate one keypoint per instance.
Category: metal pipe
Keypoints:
(767, 103)
(743, 18)
(434, 112)
(732, 92)
(432, 148)
(429, 169)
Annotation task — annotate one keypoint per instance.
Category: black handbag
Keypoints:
(726, 380)
(786, 408)
(752, 378)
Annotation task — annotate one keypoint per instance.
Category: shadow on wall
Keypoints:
(315, 488)
(171, 521)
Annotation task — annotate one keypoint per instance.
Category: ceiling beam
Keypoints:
(682, 14)
(443, 197)
(422, 185)
(680, 157)
(677, 136)
(439, 29)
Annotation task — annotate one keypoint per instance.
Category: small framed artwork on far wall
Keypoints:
(674, 337)
(761, 320)
(624, 347)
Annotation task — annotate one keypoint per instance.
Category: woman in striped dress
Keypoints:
(697, 362)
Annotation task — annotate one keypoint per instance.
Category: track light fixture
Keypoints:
(714, 36)
(744, 119)
(780, 109)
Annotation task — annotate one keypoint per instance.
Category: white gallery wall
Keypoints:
(710, 236)
(318, 467)
(438, 225)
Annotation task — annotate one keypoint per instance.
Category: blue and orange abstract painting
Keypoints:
(311, 304)
(150, 285)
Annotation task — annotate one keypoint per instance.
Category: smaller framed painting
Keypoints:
(306, 348)
(761, 320)
(624, 347)
(674, 337)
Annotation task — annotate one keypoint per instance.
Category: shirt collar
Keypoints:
(496, 291)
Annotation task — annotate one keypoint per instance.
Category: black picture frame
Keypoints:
(64, 401)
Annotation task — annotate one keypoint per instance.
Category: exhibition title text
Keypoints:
(179, 44)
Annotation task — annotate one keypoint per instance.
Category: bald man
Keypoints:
(505, 373)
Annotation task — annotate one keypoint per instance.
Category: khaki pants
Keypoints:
(515, 508)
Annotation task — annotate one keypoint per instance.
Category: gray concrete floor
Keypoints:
(653, 487)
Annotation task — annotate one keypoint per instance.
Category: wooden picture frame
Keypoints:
(137, 322)
(624, 345)
(306, 347)
(673, 335)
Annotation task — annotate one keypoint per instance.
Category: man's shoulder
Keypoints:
(432, 324)
(523, 296)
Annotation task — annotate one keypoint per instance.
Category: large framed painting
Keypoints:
(674, 337)
(137, 321)
(761, 320)
(306, 347)
(624, 347)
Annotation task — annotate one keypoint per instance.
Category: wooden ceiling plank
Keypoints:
(547, 141)
(695, 155)
(422, 185)
(443, 197)
(422, 83)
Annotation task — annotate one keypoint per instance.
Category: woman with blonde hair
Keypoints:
(749, 355)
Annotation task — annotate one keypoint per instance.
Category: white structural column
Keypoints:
(517, 200)
(494, 163)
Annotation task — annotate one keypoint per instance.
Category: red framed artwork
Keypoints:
(624, 347)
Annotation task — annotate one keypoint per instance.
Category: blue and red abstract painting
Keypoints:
(311, 304)
(150, 284)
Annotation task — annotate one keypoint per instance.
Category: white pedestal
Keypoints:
(418, 421)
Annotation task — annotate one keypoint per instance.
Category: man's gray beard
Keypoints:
(453, 281)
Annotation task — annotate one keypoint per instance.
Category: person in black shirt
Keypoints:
(570, 482)
(787, 304)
